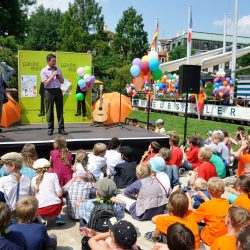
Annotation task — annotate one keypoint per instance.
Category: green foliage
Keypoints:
(243, 62)
(82, 23)
(42, 29)
(178, 53)
(13, 16)
(130, 39)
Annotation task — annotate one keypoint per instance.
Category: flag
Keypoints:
(190, 27)
(153, 44)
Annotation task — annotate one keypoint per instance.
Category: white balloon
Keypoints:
(153, 55)
(87, 77)
(80, 71)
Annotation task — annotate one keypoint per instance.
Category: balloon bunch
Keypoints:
(222, 85)
(131, 89)
(145, 69)
(85, 80)
(168, 84)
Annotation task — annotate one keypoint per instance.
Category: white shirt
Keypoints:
(48, 189)
(164, 180)
(161, 131)
(96, 165)
(113, 158)
(8, 185)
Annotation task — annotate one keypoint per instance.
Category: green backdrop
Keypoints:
(30, 64)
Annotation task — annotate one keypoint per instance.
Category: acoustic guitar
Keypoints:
(99, 113)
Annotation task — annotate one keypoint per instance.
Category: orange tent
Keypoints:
(112, 107)
(10, 113)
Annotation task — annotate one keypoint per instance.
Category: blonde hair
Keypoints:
(29, 154)
(178, 204)
(218, 136)
(216, 186)
(82, 158)
(205, 153)
(39, 178)
(60, 143)
(143, 171)
(200, 184)
(5, 216)
(99, 148)
(165, 154)
(26, 209)
(239, 217)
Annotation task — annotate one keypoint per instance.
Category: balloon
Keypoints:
(135, 70)
(79, 78)
(174, 75)
(138, 83)
(221, 94)
(223, 74)
(80, 71)
(166, 73)
(228, 88)
(171, 94)
(137, 61)
(157, 75)
(153, 55)
(81, 83)
(228, 79)
(154, 64)
(79, 97)
(144, 67)
(225, 83)
(223, 88)
(92, 80)
(87, 77)
(145, 59)
(87, 70)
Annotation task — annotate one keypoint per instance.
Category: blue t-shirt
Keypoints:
(12, 241)
(35, 235)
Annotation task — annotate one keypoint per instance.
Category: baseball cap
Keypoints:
(106, 188)
(41, 163)
(124, 233)
(13, 157)
(159, 121)
(157, 164)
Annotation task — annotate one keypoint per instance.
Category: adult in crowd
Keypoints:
(52, 79)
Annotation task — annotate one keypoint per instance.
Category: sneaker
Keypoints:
(43, 221)
(60, 221)
(181, 171)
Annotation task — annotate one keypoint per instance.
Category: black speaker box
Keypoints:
(189, 79)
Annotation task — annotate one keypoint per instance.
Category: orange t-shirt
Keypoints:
(243, 201)
(201, 98)
(213, 213)
(163, 222)
(243, 159)
(225, 242)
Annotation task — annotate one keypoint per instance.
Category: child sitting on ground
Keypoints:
(97, 162)
(176, 152)
(178, 208)
(9, 240)
(200, 186)
(236, 219)
(159, 127)
(61, 160)
(212, 212)
(35, 234)
(243, 187)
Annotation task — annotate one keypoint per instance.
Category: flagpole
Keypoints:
(189, 42)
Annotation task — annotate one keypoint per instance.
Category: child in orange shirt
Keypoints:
(178, 208)
(237, 218)
(243, 187)
(213, 212)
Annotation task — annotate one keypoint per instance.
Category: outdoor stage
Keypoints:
(81, 136)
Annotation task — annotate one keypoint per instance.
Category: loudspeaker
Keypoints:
(189, 79)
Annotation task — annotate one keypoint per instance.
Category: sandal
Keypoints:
(149, 237)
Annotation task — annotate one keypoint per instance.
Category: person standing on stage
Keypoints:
(52, 79)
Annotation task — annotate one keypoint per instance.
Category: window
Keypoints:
(216, 46)
(216, 68)
(205, 45)
(163, 60)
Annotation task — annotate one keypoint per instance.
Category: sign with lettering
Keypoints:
(210, 110)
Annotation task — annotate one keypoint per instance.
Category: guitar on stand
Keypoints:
(99, 114)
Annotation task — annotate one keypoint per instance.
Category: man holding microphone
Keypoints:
(52, 79)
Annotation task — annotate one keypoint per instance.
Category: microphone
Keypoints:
(55, 68)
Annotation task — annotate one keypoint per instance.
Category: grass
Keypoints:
(174, 122)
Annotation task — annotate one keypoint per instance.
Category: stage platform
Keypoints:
(81, 136)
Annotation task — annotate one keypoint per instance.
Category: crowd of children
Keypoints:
(212, 211)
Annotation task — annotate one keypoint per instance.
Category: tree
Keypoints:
(130, 39)
(178, 52)
(13, 16)
(82, 23)
(42, 29)
(243, 62)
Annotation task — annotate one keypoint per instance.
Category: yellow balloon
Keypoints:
(145, 59)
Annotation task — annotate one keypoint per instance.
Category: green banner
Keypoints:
(29, 66)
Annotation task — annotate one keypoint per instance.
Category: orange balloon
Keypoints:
(138, 83)
(225, 83)
(221, 94)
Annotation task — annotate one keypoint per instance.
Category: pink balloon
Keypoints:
(80, 71)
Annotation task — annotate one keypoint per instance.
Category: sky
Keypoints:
(208, 15)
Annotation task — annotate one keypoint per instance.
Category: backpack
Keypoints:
(100, 216)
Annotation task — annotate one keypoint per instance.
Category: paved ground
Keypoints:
(69, 237)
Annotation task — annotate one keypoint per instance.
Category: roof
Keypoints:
(164, 40)
(214, 37)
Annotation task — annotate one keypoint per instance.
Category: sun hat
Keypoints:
(106, 188)
(14, 157)
(159, 121)
(41, 163)
(157, 164)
